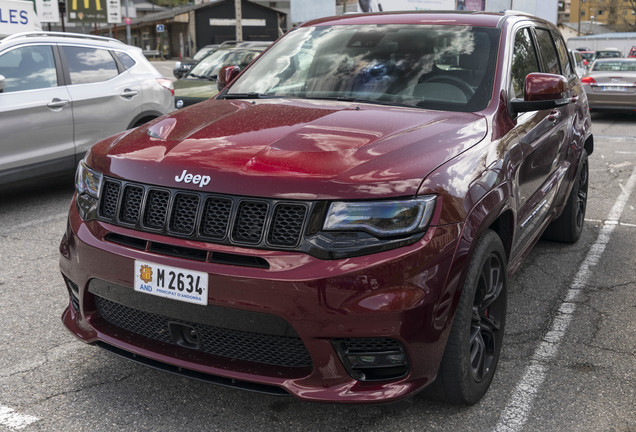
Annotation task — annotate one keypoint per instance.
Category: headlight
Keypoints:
(87, 180)
(381, 218)
(88, 183)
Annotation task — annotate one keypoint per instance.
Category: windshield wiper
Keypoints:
(250, 95)
(351, 99)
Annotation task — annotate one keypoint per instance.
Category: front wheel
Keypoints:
(474, 344)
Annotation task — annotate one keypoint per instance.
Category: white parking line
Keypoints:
(13, 420)
(516, 412)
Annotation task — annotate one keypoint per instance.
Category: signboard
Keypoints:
(47, 11)
(405, 5)
(17, 16)
(471, 5)
(113, 9)
(546, 9)
(92, 11)
(160, 28)
(303, 10)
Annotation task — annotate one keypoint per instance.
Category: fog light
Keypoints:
(87, 207)
(372, 359)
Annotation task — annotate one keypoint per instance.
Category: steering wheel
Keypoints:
(454, 81)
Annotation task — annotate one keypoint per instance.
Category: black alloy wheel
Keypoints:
(568, 227)
(474, 343)
(488, 314)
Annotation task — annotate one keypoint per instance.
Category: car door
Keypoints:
(542, 137)
(105, 99)
(36, 117)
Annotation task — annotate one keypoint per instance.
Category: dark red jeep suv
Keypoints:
(340, 222)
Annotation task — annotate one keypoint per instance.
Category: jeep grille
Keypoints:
(224, 219)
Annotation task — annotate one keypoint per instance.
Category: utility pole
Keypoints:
(128, 35)
(239, 18)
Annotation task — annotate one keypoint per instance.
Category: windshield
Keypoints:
(438, 67)
(608, 54)
(625, 65)
(209, 67)
(204, 52)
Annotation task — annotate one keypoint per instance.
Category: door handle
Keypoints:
(57, 104)
(554, 116)
(128, 93)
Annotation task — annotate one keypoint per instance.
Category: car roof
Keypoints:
(616, 59)
(480, 19)
(27, 38)
(36, 36)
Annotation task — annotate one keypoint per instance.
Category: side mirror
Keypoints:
(2, 83)
(226, 75)
(543, 91)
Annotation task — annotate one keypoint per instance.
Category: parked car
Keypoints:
(578, 62)
(632, 52)
(63, 92)
(340, 222)
(199, 83)
(588, 57)
(610, 84)
(182, 67)
(608, 53)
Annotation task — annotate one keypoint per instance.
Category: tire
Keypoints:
(474, 344)
(568, 227)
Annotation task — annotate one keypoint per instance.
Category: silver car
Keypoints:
(610, 84)
(61, 92)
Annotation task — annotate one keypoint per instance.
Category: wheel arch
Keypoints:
(142, 118)
(495, 212)
(589, 144)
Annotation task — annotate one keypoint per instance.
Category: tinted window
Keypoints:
(563, 57)
(524, 61)
(126, 60)
(548, 52)
(89, 65)
(28, 68)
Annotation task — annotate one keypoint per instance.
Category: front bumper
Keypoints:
(404, 296)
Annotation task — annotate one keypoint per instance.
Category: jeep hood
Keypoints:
(294, 149)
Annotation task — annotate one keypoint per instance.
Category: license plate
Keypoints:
(614, 88)
(171, 282)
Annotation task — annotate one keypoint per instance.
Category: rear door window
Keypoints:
(566, 67)
(524, 61)
(90, 65)
(549, 54)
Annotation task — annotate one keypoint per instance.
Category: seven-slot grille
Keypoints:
(203, 216)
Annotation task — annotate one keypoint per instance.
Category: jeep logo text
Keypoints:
(186, 177)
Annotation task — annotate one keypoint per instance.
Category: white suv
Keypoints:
(62, 92)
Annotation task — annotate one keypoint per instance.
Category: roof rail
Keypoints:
(61, 34)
